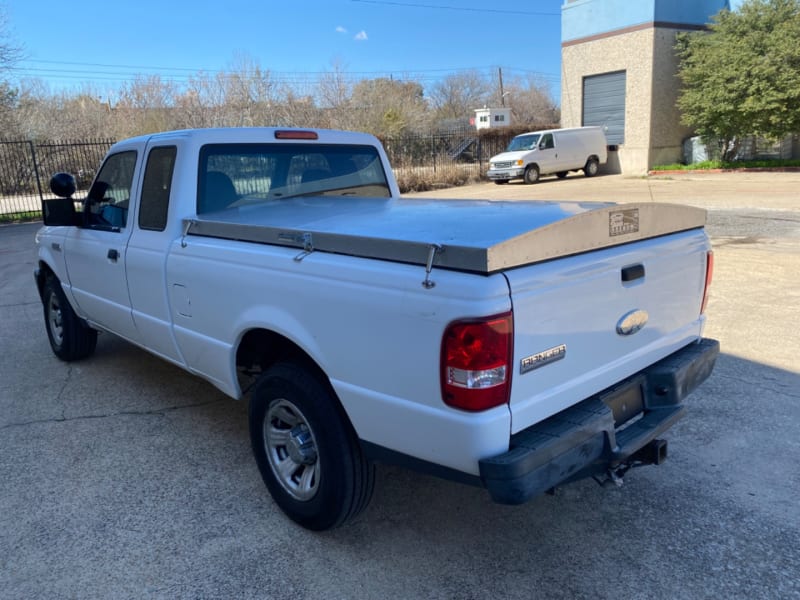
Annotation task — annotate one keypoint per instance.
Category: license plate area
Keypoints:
(625, 401)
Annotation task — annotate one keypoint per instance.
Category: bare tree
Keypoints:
(144, 106)
(530, 101)
(389, 107)
(335, 90)
(454, 98)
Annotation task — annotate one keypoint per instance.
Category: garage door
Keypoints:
(604, 104)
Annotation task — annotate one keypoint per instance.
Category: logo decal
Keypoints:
(623, 221)
(530, 363)
(632, 322)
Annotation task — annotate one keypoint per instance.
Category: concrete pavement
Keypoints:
(122, 476)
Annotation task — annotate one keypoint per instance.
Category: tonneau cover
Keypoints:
(471, 235)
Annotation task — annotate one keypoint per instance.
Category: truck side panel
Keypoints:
(370, 325)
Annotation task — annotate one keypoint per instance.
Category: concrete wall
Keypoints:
(631, 52)
(666, 131)
(637, 36)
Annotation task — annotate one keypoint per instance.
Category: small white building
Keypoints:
(489, 118)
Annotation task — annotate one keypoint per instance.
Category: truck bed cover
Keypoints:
(479, 236)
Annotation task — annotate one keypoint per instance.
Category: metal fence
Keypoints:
(454, 157)
(419, 162)
(26, 167)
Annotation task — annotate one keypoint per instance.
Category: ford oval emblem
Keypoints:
(632, 322)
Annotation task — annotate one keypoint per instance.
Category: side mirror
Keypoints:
(63, 185)
(61, 211)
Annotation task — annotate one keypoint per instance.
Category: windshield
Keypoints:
(523, 142)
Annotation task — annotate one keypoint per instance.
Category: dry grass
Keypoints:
(421, 179)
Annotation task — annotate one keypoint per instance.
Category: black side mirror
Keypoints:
(61, 211)
(63, 185)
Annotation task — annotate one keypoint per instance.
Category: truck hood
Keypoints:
(511, 156)
(472, 235)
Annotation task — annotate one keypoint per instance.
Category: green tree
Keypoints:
(743, 76)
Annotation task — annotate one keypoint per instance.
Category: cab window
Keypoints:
(156, 186)
(547, 142)
(106, 205)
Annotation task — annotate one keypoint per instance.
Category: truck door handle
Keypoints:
(113, 255)
(633, 273)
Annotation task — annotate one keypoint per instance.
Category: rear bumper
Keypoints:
(589, 438)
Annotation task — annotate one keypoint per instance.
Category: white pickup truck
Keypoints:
(511, 345)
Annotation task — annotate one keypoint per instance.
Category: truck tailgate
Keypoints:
(584, 322)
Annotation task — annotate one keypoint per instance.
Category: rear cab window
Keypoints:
(154, 204)
(237, 175)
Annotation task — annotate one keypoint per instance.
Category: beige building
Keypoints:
(618, 70)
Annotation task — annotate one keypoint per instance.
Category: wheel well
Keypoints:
(593, 157)
(42, 273)
(259, 349)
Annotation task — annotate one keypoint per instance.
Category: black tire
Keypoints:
(591, 168)
(500, 181)
(307, 450)
(531, 174)
(69, 337)
(561, 174)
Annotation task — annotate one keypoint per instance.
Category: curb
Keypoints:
(742, 170)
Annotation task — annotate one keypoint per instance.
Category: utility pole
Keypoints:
(502, 95)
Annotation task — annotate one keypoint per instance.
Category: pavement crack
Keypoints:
(16, 304)
(122, 413)
(781, 390)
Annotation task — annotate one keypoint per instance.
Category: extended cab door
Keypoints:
(95, 252)
(153, 233)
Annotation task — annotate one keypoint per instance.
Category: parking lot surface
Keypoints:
(123, 476)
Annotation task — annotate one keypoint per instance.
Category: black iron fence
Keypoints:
(26, 167)
(419, 162)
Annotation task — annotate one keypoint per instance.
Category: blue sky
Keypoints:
(67, 42)
(107, 42)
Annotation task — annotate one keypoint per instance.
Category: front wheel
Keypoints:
(592, 167)
(532, 174)
(69, 338)
(500, 181)
(306, 449)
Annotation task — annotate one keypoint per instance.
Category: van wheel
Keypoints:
(532, 174)
(306, 449)
(69, 338)
(592, 167)
(500, 181)
(561, 174)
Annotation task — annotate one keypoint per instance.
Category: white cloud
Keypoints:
(341, 29)
(361, 36)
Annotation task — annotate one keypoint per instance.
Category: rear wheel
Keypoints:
(306, 449)
(532, 174)
(500, 181)
(561, 174)
(69, 338)
(592, 167)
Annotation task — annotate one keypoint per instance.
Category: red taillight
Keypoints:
(476, 362)
(709, 275)
(295, 134)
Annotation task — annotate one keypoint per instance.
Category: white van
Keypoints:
(558, 151)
